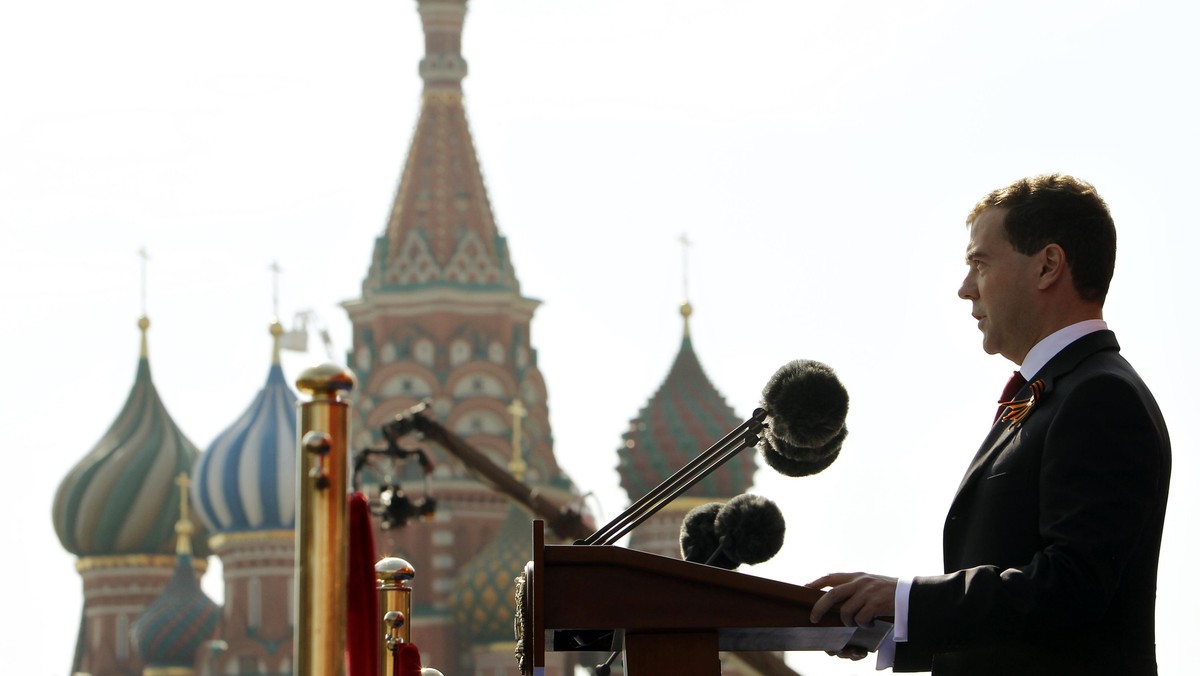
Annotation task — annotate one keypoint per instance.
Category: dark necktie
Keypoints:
(1015, 383)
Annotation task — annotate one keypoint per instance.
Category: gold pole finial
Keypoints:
(517, 464)
(183, 527)
(392, 577)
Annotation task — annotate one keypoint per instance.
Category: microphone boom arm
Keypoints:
(740, 438)
(568, 523)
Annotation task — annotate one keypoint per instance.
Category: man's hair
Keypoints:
(1063, 210)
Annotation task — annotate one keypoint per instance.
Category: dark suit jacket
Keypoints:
(1051, 543)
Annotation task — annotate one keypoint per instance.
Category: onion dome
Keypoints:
(483, 601)
(121, 499)
(683, 419)
(171, 630)
(246, 480)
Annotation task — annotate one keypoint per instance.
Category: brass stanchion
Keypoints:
(392, 576)
(321, 525)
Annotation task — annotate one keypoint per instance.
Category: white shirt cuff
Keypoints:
(885, 657)
(900, 628)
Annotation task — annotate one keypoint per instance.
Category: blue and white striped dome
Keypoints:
(246, 479)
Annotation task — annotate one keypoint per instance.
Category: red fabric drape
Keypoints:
(408, 661)
(363, 622)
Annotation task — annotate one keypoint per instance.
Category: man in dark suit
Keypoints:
(1051, 543)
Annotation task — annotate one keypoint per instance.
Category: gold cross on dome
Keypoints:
(275, 270)
(184, 483)
(145, 259)
(687, 244)
(183, 527)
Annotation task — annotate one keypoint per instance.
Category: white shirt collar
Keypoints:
(1052, 344)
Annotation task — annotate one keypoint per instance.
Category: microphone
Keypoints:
(806, 408)
(747, 529)
(800, 428)
(698, 540)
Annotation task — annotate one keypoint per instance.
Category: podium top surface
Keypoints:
(606, 586)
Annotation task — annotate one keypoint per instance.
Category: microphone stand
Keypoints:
(742, 437)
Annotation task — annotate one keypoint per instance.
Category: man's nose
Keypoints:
(968, 290)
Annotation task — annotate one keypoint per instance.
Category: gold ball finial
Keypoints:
(184, 528)
(394, 572)
(326, 381)
(685, 311)
(276, 331)
(144, 349)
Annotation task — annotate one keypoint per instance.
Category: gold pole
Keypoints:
(395, 597)
(322, 552)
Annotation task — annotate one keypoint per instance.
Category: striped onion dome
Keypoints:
(171, 630)
(121, 499)
(246, 479)
(683, 419)
(483, 601)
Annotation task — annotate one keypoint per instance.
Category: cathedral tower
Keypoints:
(442, 318)
(246, 496)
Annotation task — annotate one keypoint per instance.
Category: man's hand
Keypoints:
(862, 597)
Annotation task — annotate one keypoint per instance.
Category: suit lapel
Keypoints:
(995, 440)
(1001, 433)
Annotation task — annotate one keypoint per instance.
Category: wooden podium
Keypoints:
(674, 616)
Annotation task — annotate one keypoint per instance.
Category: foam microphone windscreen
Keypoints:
(795, 461)
(698, 539)
(806, 404)
(751, 528)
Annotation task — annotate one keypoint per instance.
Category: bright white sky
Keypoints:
(821, 157)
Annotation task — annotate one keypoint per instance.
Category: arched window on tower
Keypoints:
(481, 422)
(254, 604)
(460, 352)
(479, 385)
(423, 351)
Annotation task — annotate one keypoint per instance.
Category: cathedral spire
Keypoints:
(442, 320)
(441, 233)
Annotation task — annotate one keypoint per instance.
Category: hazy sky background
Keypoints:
(821, 157)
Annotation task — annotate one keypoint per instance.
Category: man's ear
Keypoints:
(1053, 261)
